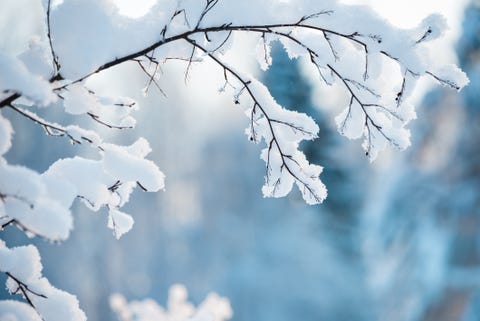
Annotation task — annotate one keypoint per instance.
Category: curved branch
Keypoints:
(266, 28)
(53, 129)
(355, 37)
(284, 157)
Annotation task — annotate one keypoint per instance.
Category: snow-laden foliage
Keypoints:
(212, 308)
(24, 270)
(376, 64)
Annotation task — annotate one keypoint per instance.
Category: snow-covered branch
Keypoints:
(285, 163)
(376, 64)
(24, 271)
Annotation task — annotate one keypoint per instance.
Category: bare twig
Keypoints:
(10, 222)
(24, 228)
(208, 6)
(25, 290)
(17, 197)
(315, 15)
(151, 78)
(50, 128)
(56, 64)
(332, 49)
(445, 82)
(101, 122)
(189, 64)
(142, 187)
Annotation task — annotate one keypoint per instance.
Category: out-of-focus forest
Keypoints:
(398, 240)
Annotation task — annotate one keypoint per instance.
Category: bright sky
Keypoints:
(135, 8)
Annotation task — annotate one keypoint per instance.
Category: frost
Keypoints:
(109, 35)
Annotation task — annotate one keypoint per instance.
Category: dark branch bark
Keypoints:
(9, 100)
(55, 63)
(25, 290)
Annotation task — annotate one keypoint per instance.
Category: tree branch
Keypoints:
(54, 129)
(25, 290)
(368, 118)
(284, 157)
(55, 63)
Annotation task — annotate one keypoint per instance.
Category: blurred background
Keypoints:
(396, 240)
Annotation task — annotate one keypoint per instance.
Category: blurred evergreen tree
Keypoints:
(291, 89)
(423, 229)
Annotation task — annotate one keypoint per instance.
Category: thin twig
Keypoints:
(56, 64)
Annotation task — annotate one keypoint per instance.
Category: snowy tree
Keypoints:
(376, 64)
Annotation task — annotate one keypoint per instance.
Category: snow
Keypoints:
(452, 76)
(19, 181)
(6, 132)
(15, 77)
(78, 100)
(80, 135)
(376, 64)
(213, 308)
(129, 165)
(46, 217)
(119, 222)
(351, 121)
(432, 27)
(92, 187)
(98, 26)
(24, 266)
(114, 112)
(27, 199)
(17, 311)
(37, 58)
(283, 130)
